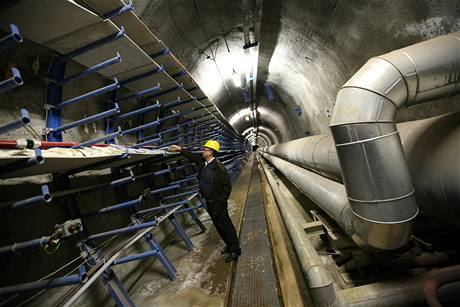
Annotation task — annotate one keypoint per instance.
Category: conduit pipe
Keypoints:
(372, 161)
(329, 195)
(432, 152)
(374, 169)
(319, 279)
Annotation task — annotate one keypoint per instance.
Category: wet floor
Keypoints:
(203, 277)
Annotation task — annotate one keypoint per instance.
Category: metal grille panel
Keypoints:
(254, 282)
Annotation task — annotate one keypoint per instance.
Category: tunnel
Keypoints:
(229, 153)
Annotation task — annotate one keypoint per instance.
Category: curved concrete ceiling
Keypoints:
(307, 50)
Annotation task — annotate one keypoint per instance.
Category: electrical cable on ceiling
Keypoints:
(213, 54)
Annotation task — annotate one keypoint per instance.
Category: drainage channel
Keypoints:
(254, 280)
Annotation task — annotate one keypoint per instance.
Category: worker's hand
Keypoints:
(174, 148)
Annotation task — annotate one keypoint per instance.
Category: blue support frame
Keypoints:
(24, 120)
(13, 82)
(12, 39)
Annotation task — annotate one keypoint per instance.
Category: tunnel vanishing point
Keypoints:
(338, 125)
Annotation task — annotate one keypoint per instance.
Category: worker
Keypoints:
(215, 188)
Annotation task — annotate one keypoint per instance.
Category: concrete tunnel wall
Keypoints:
(308, 49)
(34, 61)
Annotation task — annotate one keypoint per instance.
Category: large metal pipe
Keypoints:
(372, 161)
(407, 291)
(316, 153)
(320, 280)
(432, 151)
(374, 169)
(329, 195)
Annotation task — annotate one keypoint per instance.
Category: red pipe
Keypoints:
(435, 280)
(19, 144)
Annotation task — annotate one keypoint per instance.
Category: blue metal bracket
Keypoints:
(44, 197)
(12, 39)
(86, 96)
(141, 76)
(139, 111)
(12, 167)
(24, 120)
(182, 233)
(47, 283)
(54, 96)
(119, 11)
(107, 137)
(164, 189)
(11, 83)
(123, 230)
(135, 257)
(115, 288)
(156, 135)
(140, 93)
(188, 193)
(141, 127)
(94, 45)
(87, 120)
(90, 70)
(160, 53)
(149, 142)
(22, 246)
(164, 260)
(123, 205)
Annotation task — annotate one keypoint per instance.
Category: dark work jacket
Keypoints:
(222, 186)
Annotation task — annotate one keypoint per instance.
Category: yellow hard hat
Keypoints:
(213, 145)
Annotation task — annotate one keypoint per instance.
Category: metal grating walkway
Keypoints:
(255, 280)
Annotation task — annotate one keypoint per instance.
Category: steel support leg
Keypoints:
(181, 233)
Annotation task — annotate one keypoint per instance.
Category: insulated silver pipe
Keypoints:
(316, 153)
(320, 280)
(432, 152)
(401, 292)
(329, 195)
(374, 169)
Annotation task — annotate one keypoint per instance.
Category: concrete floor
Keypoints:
(203, 277)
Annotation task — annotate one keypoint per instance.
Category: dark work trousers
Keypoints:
(223, 223)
